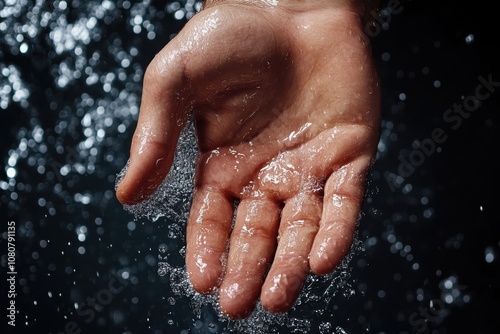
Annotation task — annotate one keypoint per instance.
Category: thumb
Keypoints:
(161, 119)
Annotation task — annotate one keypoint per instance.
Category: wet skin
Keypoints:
(286, 104)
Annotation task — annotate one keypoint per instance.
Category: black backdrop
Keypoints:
(431, 239)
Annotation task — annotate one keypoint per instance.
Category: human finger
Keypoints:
(298, 227)
(253, 241)
(207, 235)
(161, 119)
(343, 195)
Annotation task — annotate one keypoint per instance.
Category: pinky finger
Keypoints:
(342, 201)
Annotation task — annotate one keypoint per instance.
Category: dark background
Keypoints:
(430, 240)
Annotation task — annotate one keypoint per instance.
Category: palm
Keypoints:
(287, 126)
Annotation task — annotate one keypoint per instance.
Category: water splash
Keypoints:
(173, 197)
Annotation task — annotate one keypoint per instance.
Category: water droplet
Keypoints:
(469, 39)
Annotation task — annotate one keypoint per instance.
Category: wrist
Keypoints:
(362, 8)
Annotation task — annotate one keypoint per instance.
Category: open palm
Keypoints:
(286, 106)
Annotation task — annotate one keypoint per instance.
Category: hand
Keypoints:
(286, 103)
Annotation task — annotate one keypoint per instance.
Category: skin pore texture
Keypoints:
(286, 103)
